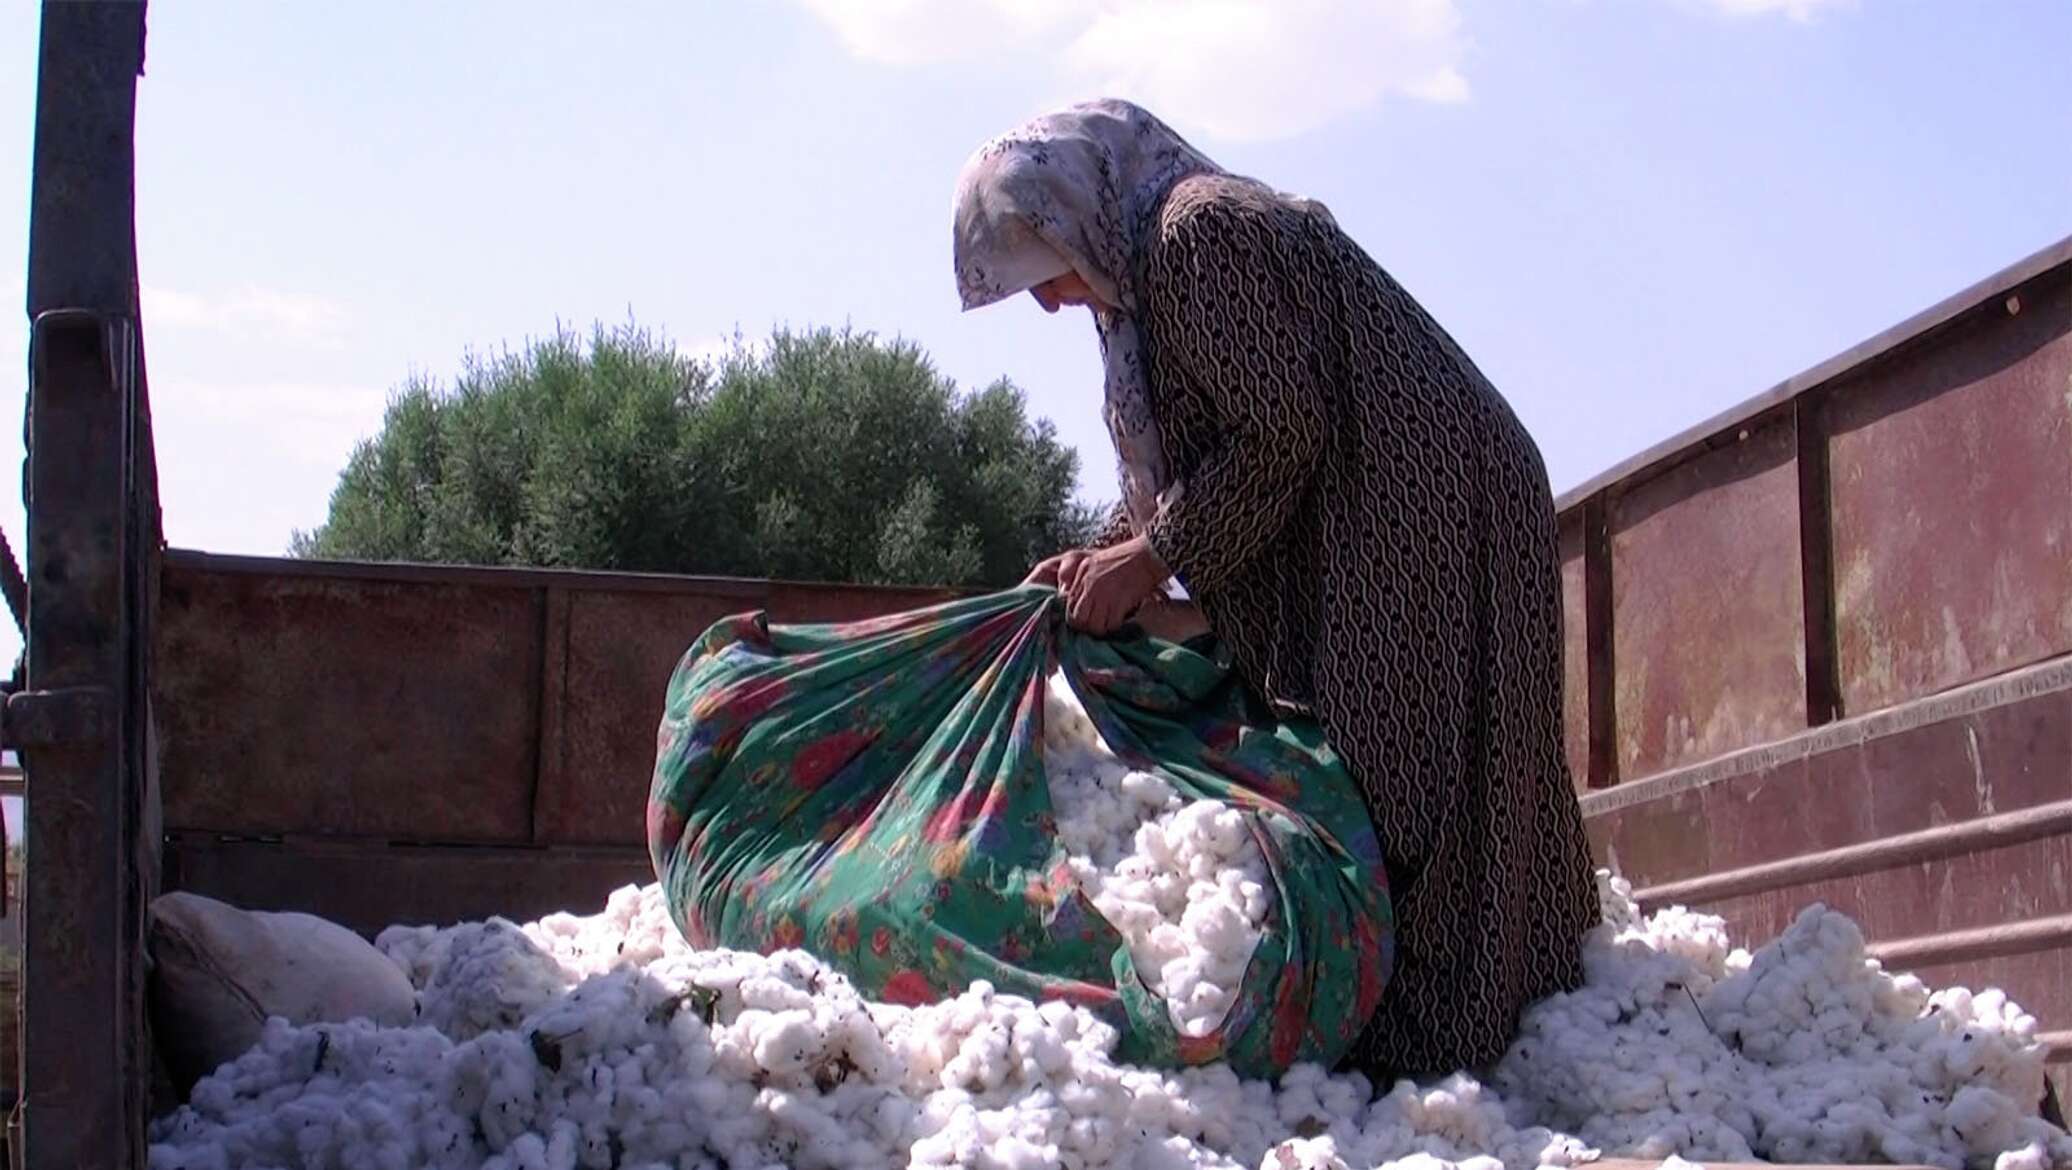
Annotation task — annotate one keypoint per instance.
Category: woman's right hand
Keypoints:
(1059, 571)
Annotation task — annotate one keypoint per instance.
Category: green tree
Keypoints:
(821, 455)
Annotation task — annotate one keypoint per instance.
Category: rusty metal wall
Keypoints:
(370, 884)
(302, 704)
(1707, 639)
(1952, 491)
(1886, 526)
(1826, 649)
(617, 652)
(387, 742)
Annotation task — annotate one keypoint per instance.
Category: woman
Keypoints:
(1358, 514)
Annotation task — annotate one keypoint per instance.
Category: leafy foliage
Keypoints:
(820, 455)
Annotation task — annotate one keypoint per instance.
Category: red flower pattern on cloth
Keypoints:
(909, 989)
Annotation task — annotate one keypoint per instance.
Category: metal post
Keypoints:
(81, 723)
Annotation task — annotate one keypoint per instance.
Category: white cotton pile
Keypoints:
(1183, 882)
(653, 1055)
(1805, 1051)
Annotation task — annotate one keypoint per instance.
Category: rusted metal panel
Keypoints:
(1707, 642)
(620, 652)
(433, 703)
(1968, 891)
(91, 496)
(795, 602)
(1823, 671)
(1598, 665)
(1952, 487)
(1982, 834)
(550, 778)
(368, 885)
(1994, 747)
(82, 202)
(753, 593)
(1575, 653)
(296, 704)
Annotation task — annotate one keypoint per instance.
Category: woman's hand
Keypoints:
(1105, 586)
(1055, 571)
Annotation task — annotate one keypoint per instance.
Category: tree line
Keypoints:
(819, 455)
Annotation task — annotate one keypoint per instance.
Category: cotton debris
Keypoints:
(607, 1041)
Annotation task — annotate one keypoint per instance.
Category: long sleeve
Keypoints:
(1114, 530)
(1235, 296)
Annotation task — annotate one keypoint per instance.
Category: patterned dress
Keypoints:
(1361, 516)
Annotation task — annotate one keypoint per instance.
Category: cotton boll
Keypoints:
(1183, 883)
(490, 976)
(784, 1043)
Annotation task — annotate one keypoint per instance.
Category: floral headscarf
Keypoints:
(1080, 188)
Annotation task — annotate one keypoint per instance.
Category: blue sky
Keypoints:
(1633, 213)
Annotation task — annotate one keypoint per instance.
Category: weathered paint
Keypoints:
(1707, 642)
(1961, 892)
(1914, 529)
(419, 704)
(621, 648)
(1993, 748)
(82, 724)
(366, 708)
(616, 650)
(1952, 504)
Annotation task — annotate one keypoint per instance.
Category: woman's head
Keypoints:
(1059, 205)
(1061, 208)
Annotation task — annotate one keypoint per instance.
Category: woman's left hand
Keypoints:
(1108, 584)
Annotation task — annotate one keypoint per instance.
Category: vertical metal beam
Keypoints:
(1817, 562)
(1600, 663)
(82, 203)
(81, 740)
(550, 710)
(82, 722)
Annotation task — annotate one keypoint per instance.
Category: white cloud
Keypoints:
(926, 32)
(286, 316)
(1242, 69)
(1798, 10)
(1235, 69)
